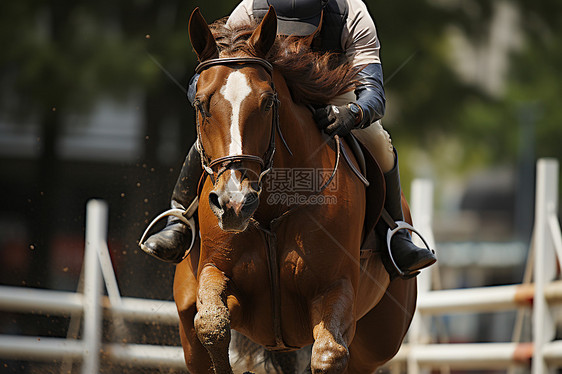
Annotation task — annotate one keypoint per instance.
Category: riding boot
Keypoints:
(172, 242)
(407, 257)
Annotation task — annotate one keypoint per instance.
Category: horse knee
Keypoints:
(329, 357)
(212, 326)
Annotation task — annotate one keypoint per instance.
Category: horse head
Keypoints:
(236, 110)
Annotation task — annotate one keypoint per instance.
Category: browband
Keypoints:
(234, 60)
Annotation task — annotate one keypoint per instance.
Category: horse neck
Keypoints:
(304, 140)
(299, 131)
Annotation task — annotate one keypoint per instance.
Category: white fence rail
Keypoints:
(90, 305)
(417, 355)
(543, 353)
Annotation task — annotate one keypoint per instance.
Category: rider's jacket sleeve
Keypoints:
(362, 48)
(370, 94)
(359, 37)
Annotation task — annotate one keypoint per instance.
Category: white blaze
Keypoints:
(233, 186)
(235, 91)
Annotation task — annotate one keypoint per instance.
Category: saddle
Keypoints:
(372, 174)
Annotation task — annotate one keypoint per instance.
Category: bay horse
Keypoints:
(284, 274)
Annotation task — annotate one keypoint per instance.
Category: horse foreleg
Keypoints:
(196, 356)
(212, 321)
(334, 326)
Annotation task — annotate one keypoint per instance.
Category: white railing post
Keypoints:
(96, 236)
(546, 204)
(422, 214)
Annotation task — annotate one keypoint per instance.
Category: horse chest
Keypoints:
(270, 305)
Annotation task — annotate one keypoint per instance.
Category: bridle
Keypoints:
(265, 162)
(225, 162)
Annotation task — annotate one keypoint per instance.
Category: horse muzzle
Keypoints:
(233, 202)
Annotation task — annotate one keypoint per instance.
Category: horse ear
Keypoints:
(264, 35)
(201, 38)
(309, 39)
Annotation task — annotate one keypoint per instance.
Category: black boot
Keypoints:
(172, 243)
(407, 258)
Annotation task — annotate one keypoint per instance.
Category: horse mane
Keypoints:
(312, 77)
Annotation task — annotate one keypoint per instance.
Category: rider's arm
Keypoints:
(370, 94)
(362, 47)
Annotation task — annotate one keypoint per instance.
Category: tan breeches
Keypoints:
(375, 137)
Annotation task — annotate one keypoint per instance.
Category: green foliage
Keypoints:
(459, 124)
(531, 96)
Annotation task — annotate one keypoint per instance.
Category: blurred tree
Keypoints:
(431, 105)
(530, 96)
(61, 57)
(424, 90)
(58, 58)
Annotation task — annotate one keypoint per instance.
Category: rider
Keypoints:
(348, 30)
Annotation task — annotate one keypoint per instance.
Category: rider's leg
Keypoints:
(407, 255)
(172, 242)
(378, 142)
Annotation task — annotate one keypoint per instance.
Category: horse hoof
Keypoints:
(328, 356)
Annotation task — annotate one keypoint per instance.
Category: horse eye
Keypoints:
(200, 105)
(269, 104)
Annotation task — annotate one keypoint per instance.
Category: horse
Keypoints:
(284, 273)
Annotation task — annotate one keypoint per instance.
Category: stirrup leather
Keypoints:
(182, 215)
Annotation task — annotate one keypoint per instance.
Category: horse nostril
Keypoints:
(214, 200)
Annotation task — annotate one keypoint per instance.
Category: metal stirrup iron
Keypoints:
(394, 227)
(182, 215)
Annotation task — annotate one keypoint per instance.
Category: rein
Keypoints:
(265, 162)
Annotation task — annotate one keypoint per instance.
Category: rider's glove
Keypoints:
(338, 120)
